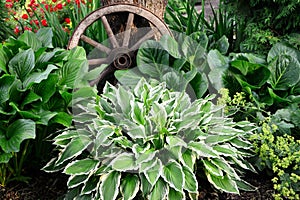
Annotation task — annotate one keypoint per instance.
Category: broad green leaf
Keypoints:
(81, 167)
(30, 98)
(6, 82)
(77, 53)
(282, 49)
(46, 88)
(174, 140)
(170, 45)
(277, 98)
(123, 100)
(173, 175)
(224, 183)
(190, 180)
(123, 162)
(76, 180)
(109, 188)
(73, 149)
(159, 115)
(62, 118)
(199, 84)
(175, 81)
(159, 191)
(129, 77)
(285, 72)
(239, 143)
(222, 45)
(129, 186)
(38, 77)
(218, 64)
(202, 149)
(137, 112)
(31, 40)
(45, 35)
(5, 157)
(175, 195)
(22, 64)
(152, 60)
(212, 169)
(69, 73)
(17, 132)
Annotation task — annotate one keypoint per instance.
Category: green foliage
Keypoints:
(36, 82)
(281, 155)
(5, 29)
(149, 142)
(183, 64)
(264, 22)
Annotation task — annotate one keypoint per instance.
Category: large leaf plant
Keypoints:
(149, 142)
(36, 82)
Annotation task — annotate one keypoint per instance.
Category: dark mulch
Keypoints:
(45, 186)
(42, 186)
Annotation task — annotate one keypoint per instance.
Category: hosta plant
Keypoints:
(149, 142)
(36, 82)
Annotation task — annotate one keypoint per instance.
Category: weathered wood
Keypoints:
(157, 7)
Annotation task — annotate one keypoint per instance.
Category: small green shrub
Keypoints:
(36, 84)
(149, 142)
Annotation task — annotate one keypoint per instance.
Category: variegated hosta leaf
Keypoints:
(173, 174)
(225, 150)
(224, 183)
(212, 169)
(218, 139)
(74, 148)
(90, 185)
(152, 174)
(188, 158)
(109, 187)
(145, 187)
(202, 149)
(129, 186)
(175, 195)
(190, 180)
(76, 180)
(124, 162)
(159, 191)
(80, 167)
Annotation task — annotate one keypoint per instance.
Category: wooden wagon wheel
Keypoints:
(122, 23)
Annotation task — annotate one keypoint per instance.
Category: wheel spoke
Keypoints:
(128, 30)
(149, 35)
(110, 32)
(94, 43)
(97, 61)
(103, 74)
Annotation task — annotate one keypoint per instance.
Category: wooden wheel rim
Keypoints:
(97, 14)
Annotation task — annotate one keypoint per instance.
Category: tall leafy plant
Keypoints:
(36, 82)
(149, 142)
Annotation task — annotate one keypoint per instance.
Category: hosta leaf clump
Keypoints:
(148, 142)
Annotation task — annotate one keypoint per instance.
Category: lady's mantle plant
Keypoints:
(149, 142)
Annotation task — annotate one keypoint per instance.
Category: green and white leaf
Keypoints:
(129, 186)
(81, 167)
(109, 187)
(124, 162)
(173, 174)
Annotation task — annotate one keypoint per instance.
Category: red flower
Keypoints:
(8, 0)
(17, 30)
(59, 6)
(68, 20)
(28, 28)
(44, 22)
(54, 1)
(25, 16)
(7, 5)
